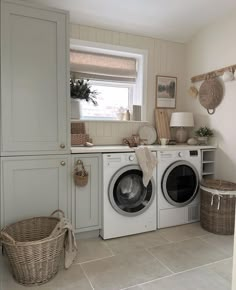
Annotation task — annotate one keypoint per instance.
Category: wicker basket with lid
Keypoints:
(218, 206)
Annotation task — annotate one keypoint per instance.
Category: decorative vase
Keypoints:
(202, 140)
(75, 108)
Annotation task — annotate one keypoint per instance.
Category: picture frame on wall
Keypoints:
(166, 91)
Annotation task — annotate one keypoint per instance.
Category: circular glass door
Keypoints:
(127, 194)
(180, 183)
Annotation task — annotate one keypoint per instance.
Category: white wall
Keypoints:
(214, 48)
(164, 58)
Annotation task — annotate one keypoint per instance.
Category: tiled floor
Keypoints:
(179, 258)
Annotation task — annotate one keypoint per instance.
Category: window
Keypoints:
(117, 76)
(113, 99)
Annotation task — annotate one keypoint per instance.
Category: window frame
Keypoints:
(142, 57)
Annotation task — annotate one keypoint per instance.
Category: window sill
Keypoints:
(108, 121)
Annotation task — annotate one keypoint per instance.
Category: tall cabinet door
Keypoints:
(86, 200)
(34, 186)
(34, 80)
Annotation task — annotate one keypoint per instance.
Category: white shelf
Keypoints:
(208, 173)
(208, 162)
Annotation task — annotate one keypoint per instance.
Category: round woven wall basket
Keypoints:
(210, 94)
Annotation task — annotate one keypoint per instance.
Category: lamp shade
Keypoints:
(182, 119)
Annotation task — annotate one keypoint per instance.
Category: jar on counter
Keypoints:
(126, 115)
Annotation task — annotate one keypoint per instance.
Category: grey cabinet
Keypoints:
(86, 200)
(34, 186)
(34, 80)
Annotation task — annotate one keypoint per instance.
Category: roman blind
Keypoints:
(102, 66)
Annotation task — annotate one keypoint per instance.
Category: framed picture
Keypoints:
(166, 89)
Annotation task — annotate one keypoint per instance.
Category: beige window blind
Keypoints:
(102, 66)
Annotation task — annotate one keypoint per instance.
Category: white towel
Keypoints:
(70, 242)
(147, 162)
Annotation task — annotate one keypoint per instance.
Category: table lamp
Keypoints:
(181, 120)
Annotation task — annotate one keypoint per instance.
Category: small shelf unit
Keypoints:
(208, 163)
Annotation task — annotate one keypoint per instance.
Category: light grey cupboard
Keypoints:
(34, 80)
(34, 186)
(34, 113)
(86, 200)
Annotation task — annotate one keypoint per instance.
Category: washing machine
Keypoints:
(178, 179)
(128, 207)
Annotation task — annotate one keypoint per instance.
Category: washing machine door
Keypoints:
(127, 194)
(180, 183)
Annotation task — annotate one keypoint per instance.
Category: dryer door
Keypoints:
(127, 194)
(180, 183)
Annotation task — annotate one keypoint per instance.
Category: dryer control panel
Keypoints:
(181, 154)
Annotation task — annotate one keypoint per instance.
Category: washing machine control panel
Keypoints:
(117, 159)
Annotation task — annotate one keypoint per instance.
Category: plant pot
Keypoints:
(75, 108)
(202, 140)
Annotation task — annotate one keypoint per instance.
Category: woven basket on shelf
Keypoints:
(34, 257)
(79, 139)
(218, 206)
(78, 128)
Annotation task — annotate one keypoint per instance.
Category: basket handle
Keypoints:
(61, 212)
(210, 111)
(7, 237)
(80, 163)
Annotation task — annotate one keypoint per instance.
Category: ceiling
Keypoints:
(176, 20)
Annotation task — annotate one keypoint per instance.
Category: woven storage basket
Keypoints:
(80, 174)
(34, 257)
(79, 139)
(80, 179)
(78, 128)
(218, 206)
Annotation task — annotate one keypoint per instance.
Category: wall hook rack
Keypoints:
(213, 74)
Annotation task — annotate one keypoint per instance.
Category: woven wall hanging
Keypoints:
(210, 94)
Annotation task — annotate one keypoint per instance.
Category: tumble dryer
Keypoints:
(178, 180)
(128, 207)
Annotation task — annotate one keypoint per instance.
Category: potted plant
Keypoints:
(203, 133)
(80, 90)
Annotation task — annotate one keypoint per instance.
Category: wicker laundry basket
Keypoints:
(34, 256)
(218, 206)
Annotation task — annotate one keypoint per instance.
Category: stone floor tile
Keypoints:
(187, 254)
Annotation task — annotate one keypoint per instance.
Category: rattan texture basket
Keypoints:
(81, 175)
(34, 257)
(218, 208)
(78, 128)
(210, 94)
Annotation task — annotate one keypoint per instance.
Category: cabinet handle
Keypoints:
(62, 146)
(63, 163)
